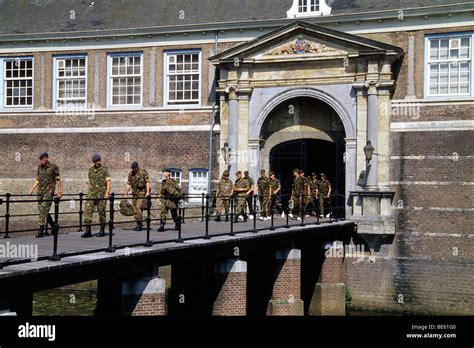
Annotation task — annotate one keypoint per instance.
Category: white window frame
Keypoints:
(193, 195)
(306, 6)
(56, 79)
(295, 10)
(5, 79)
(428, 62)
(110, 58)
(167, 102)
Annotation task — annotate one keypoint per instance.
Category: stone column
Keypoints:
(255, 146)
(233, 131)
(330, 291)
(286, 295)
(144, 297)
(372, 131)
(411, 94)
(351, 170)
(231, 277)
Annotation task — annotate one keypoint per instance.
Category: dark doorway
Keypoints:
(311, 155)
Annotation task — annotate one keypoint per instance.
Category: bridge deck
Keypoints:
(77, 251)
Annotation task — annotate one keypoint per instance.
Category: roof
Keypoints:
(54, 16)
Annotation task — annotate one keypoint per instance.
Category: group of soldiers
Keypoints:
(243, 190)
(48, 181)
(307, 193)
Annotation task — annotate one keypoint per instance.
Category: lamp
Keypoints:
(226, 153)
(369, 151)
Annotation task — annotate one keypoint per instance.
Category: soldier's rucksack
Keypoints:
(126, 208)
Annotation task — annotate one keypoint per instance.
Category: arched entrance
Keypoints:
(312, 156)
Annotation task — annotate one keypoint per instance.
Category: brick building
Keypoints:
(287, 83)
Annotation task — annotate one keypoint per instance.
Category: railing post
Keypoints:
(232, 215)
(7, 216)
(272, 216)
(148, 221)
(287, 217)
(302, 210)
(206, 236)
(111, 249)
(55, 231)
(254, 203)
(81, 212)
(330, 209)
(180, 238)
(183, 202)
(203, 196)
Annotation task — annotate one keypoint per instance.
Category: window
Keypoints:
(71, 85)
(183, 78)
(176, 174)
(125, 79)
(308, 6)
(449, 66)
(18, 82)
(198, 184)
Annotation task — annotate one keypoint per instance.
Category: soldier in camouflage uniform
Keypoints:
(313, 185)
(241, 188)
(264, 194)
(306, 192)
(99, 191)
(297, 193)
(324, 193)
(275, 188)
(224, 195)
(139, 182)
(47, 178)
(170, 195)
(250, 194)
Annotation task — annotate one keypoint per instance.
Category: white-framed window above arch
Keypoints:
(309, 8)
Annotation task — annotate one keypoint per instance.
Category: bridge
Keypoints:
(253, 268)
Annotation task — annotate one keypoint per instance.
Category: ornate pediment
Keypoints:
(302, 45)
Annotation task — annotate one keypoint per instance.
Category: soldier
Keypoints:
(264, 194)
(99, 192)
(324, 193)
(275, 188)
(306, 192)
(297, 193)
(139, 182)
(224, 195)
(250, 194)
(313, 184)
(241, 188)
(47, 179)
(170, 195)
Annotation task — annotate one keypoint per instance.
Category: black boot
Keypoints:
(218, 218)
(245, 217)
(162, 227)
(236, 219)
(51, 223)
(227, 218)
(139, 226)
(88, 232)
(40, 233)
(176, 227)
(102, 231)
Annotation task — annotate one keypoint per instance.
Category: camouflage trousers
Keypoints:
(166, 206)
(91, 205)
(45, 200)
(298, 205)
(264, 205)
(137, 204)
(323, 201)
(223, 206)
(250, 203)
(240, 205)
(274, 203)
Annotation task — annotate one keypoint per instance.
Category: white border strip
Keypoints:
(432, 183)
(432, 126)
(151, 129)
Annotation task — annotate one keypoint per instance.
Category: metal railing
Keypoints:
(309, 214)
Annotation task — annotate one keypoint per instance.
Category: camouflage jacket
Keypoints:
(98, 177)
(324, 186)
(47, 177)
(242, 184)
(274, 185)
(313, 184)
(251, 183)
(225, 188)
(298, 186)
(170, 187)
(138, 181)
(263, 185)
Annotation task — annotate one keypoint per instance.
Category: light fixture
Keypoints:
(226, 153)
(369, 151)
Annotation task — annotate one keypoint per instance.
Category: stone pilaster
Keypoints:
(232, 294)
